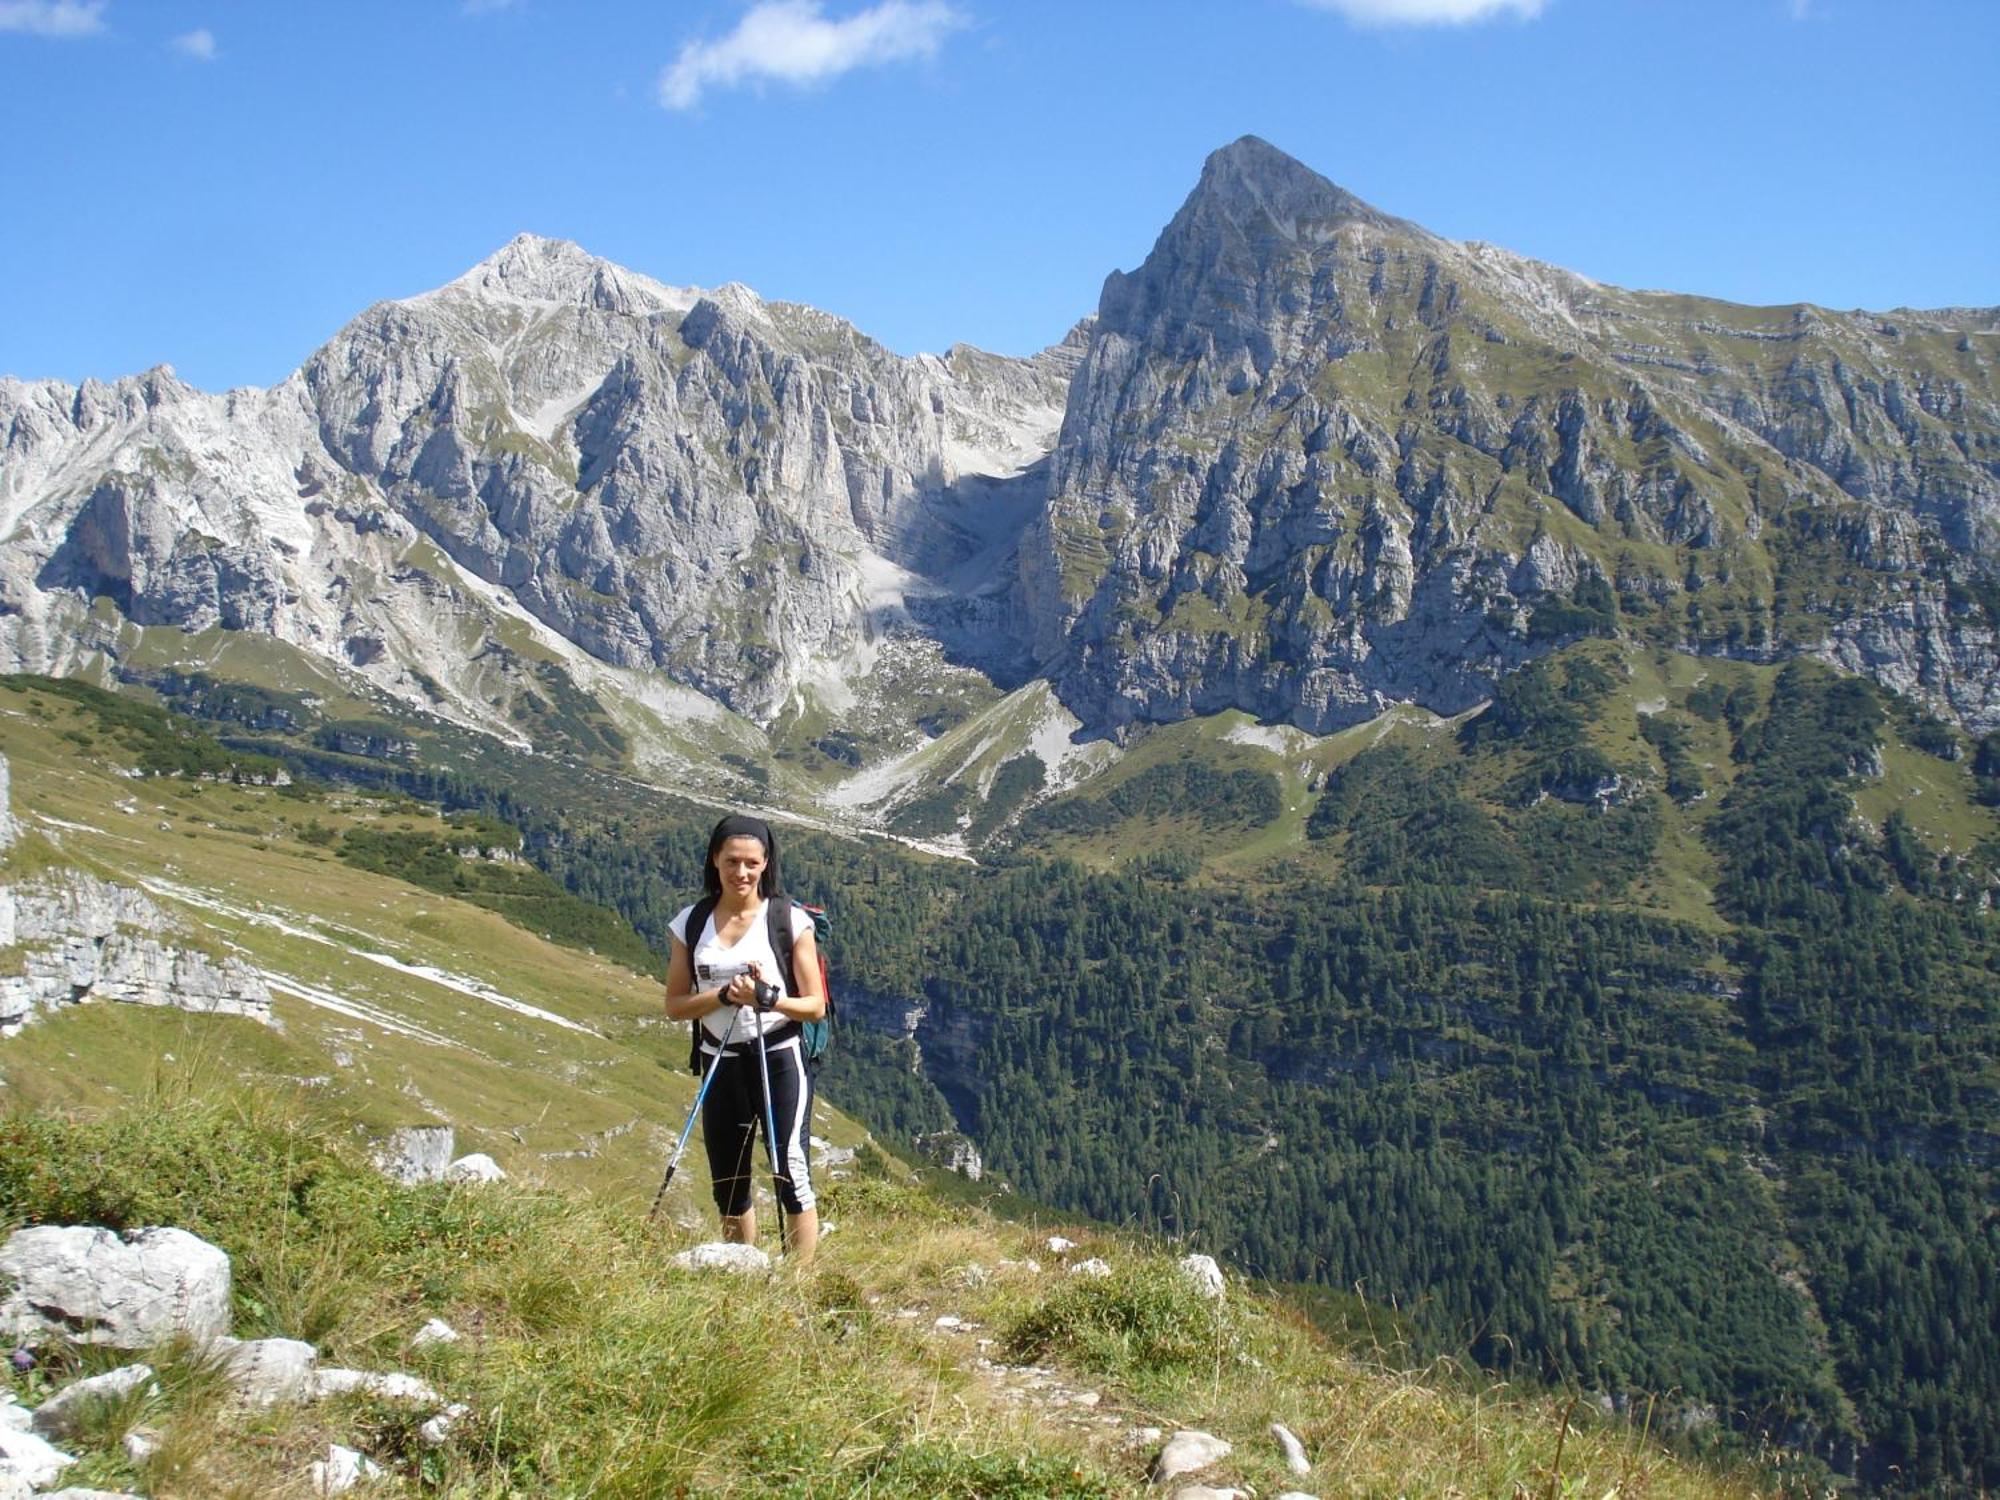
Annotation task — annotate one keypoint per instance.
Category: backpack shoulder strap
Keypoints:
(697, 920)
(778, 924)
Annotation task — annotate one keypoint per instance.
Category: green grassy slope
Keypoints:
(407, 1005)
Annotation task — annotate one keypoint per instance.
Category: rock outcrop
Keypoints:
(88, 939)
(28, 1461)
(953, 1150)
(1188, 1452)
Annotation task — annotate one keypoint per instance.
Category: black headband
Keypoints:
(740, 826)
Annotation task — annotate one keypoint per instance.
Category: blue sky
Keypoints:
(220, 184)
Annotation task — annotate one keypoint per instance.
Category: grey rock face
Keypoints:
(436, 1432)
(954, 1151)
(341, 1470)
(435, 1331)
(1203, 1274)
(128, 1291)
(478, 1167)
(390, 1386)
(1293, 1449)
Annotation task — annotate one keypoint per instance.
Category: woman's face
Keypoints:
(740, 862)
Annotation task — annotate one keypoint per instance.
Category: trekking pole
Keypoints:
(674, 1161)
(771, 1139)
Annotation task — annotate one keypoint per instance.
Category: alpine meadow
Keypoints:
(1469, 794)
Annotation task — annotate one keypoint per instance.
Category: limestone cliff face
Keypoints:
(704, 484)
(1317, 460)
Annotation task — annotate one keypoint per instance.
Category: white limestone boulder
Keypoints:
(417, 1153)
(1203, 1274)
(127, 1291)
(437, 1431)
(141, 1443)
(478, 1167)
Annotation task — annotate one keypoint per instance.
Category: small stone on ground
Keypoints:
(1295, 1451)
(1188, 1452)
(744, 1260)
(437, 1331)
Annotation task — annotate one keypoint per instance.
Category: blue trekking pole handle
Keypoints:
(673, 1162)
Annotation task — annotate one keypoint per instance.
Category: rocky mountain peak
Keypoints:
(1253, 221)
(533, 268)
(1256, 188)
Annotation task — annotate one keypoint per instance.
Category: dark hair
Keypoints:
(737, 826)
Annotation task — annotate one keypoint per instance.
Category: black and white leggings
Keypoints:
(733, 1114)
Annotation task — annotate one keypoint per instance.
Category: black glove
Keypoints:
(768, 995)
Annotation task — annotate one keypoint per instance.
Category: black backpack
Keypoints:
(814, 1036)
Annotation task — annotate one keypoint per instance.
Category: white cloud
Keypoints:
(199, 45)
(57, 18)
(791, 41)
(1428, 12)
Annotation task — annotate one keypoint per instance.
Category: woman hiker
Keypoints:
(727, 977)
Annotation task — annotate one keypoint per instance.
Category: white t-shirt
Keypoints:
(714, 963)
